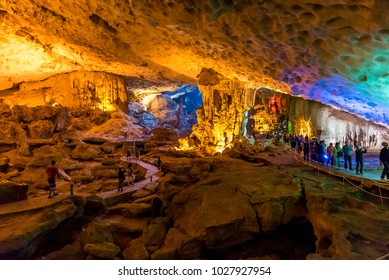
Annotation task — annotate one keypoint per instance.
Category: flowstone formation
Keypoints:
(77, 89)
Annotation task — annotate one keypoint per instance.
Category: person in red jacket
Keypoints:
(52, 173)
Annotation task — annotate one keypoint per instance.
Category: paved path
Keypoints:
(371, 172)
(34, 203)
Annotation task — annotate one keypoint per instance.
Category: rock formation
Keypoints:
(77, 79)
(333, 51)
(232, 109)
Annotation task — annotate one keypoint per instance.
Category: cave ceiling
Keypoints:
(332, 51)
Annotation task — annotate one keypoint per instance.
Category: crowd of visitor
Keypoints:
(330, 155)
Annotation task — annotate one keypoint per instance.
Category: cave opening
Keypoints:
(173, 109)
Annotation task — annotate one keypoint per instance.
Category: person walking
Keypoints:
(52, 174)
(359, 151)
(384, 160)
(128, 154)
(121, 177)
(347, 150)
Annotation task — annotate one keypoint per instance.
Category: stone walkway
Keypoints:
(34, 203)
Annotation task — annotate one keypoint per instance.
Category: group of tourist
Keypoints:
(315, 150)
(53, 173)
(122, 176)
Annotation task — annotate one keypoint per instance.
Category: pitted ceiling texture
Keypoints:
(333, 51)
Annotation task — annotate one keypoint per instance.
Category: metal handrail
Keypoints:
(339, 173)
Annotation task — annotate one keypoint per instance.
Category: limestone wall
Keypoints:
(226, 102)
(76, 89)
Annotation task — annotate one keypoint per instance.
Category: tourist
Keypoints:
(337, 153)
(347, 150)
(121, 177)
(384, 160)
(329, 151)
(312, 146)
(52, 174)
(359, 151)
(128, 154)
(321, 150)
(306, 148)
(130, 173)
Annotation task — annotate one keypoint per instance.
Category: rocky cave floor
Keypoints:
(251, 202)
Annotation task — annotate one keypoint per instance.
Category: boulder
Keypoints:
(198, 212)
(68, 252)
(82, 177)
(99, 116)
(183, 246)
(7, 145)
(20, 240)
(120, 224)
(11, 131)
(139, 171)
(7, 192)
(104, 250)
(140, 194)
(161, 107)
(85, 152)
(96, 233)
(154, 235)
(41, 129)
(165, 253)
(44, 155)
(35, 177)
(136, 250)
(82, 124)
(104, 172)
(109, 161)
(108, 148)
(137, 210)
(27, 114)
(71, 165)
(9, 175)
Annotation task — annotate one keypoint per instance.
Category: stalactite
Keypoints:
(222, 116)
